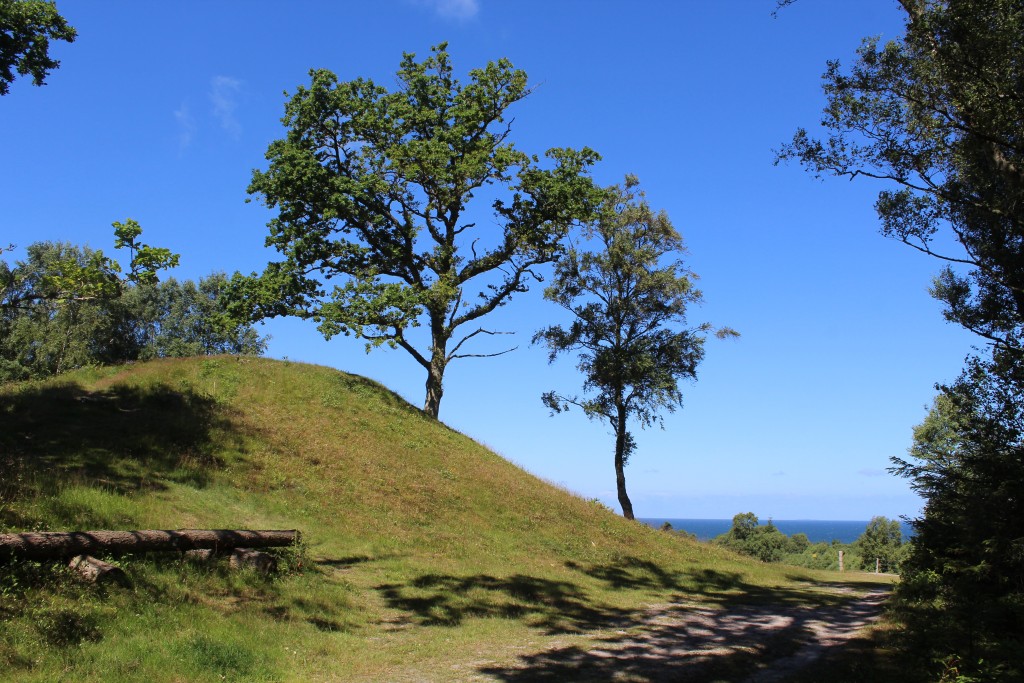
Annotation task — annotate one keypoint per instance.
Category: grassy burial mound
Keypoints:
(425, 555)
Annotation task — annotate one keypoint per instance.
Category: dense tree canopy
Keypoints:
(26, 29)
(628, 301)
(62, 273)
(763, 541)
(65, 307)
(881, 545)
(373, 189)
(939, 115)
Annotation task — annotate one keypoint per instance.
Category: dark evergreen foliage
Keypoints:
(939, 114)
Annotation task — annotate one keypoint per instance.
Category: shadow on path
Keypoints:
(755, 644)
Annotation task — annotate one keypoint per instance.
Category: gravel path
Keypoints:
(749, 644)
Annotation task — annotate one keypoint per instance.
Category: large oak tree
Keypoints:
(373, 189)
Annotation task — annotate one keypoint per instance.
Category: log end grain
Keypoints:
(98, 571)
(246, 558)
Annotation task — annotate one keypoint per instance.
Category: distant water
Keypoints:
(817, 530)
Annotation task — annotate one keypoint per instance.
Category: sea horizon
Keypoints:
(817, 530)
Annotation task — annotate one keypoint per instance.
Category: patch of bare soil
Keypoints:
(747, 644)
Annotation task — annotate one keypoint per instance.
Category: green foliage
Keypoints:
(823, 555)
(373, 189)
(765, 542)
(26, 29)
(628, 328)
(49, 317)
(65, 307)
(938, 114)
(176, 319)
(962, 593)
(145, 259)
(882, 541)
(62, 273)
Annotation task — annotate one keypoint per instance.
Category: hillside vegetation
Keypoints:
(426, 555)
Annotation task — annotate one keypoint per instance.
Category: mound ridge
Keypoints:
(428, 557)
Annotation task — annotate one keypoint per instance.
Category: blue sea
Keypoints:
(817, 530)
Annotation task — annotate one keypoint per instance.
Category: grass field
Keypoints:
(426, 556)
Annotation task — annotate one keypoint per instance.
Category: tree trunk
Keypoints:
(620, 463)
(435, 376)
(58, 544)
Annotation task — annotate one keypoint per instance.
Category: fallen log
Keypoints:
(55, 545)
(98, 571)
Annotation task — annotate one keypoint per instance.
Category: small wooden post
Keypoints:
(878, 565)
(840, 560)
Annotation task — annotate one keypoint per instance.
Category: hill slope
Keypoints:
(427, 555)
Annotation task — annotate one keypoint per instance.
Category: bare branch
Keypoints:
(469, 336)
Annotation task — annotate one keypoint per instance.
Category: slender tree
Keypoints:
(628, 301)
(373, 187)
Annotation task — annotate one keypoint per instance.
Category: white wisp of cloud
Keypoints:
(224, 98)
(186, 125)
(454, 9)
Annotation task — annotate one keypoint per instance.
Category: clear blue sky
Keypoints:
(160, 111)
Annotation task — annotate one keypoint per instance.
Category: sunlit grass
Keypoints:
(424, 552)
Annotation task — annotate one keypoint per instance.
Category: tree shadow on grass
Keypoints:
(559, 606)
(711, 625)
(553, 606)
(709, 586)
(123, 439)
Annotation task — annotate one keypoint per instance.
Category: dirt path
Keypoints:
(750, 644)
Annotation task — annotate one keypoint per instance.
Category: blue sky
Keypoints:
(160, 112)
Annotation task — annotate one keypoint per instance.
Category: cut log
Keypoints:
(247, 558)
(201, 556)
(97, 571)
(54, 545)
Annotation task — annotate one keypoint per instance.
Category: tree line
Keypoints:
(65, 307)
(881, 547)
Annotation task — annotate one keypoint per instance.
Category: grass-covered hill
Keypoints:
(427, 556)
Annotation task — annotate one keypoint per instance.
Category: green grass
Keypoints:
(425, 554)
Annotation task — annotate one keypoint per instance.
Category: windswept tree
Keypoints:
(373, 188)
(26, 29)
(628, 301)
